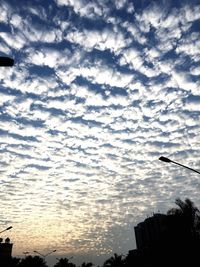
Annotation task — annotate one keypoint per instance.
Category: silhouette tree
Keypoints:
(189, 213)
(88, 264)
(35, 261)
(12, 262)
(114, 261)
(64, 262)
(184, 229)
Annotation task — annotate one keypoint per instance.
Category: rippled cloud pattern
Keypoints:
(99, 91)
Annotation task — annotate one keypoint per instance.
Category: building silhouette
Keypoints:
(5, 249)
(149, 232)
(164, 240)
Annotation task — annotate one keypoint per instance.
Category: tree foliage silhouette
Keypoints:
(64, 262)
(114, 261)
(189, 214)
(88, 264)
(11, 262)
(35, 261)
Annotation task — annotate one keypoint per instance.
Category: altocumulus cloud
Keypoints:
(98, 92)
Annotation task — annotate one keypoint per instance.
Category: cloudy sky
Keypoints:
(99, 91)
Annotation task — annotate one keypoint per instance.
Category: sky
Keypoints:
(99, 91)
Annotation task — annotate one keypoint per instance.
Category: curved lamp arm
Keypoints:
(164, 159)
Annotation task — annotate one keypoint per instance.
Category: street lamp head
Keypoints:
(6, 229)
(6, 62)
(169, 160)
(10, 227)
(165, 159)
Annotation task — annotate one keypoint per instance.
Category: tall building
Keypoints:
(5, 249)
(149, 232)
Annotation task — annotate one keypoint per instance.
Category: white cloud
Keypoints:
(152, 15)
(133, 57)
(191, 106)
(6, 11)
(16, 21)
(153, 53)
(5, 48)
(184, 81)
(107, 39)
(190, 13)
(82, 139)
(166, 66)
(85, 8)
(15, 42)
(169, 26)
(48, 57)
(43, 34)
(130, 8)
(135, 60)
(195, 70)
(4, 98)
(136, 34)
(38, 11)
(190, 46)
(101, 74)
(120, 3)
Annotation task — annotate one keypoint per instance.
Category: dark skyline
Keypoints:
(98, 92)
(160, 240)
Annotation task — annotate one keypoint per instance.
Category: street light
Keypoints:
(44, 256)
(6, 62)
(10, 227)
(164, 159)
(35, 251)
(50, 252)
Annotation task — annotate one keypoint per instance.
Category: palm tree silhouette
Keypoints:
(114, 261)
(185, 233)
(189, 213)
(64, 262)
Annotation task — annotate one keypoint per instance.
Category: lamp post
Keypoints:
(164, 159)
(6, 62)
(10, 227)
(44, 255)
